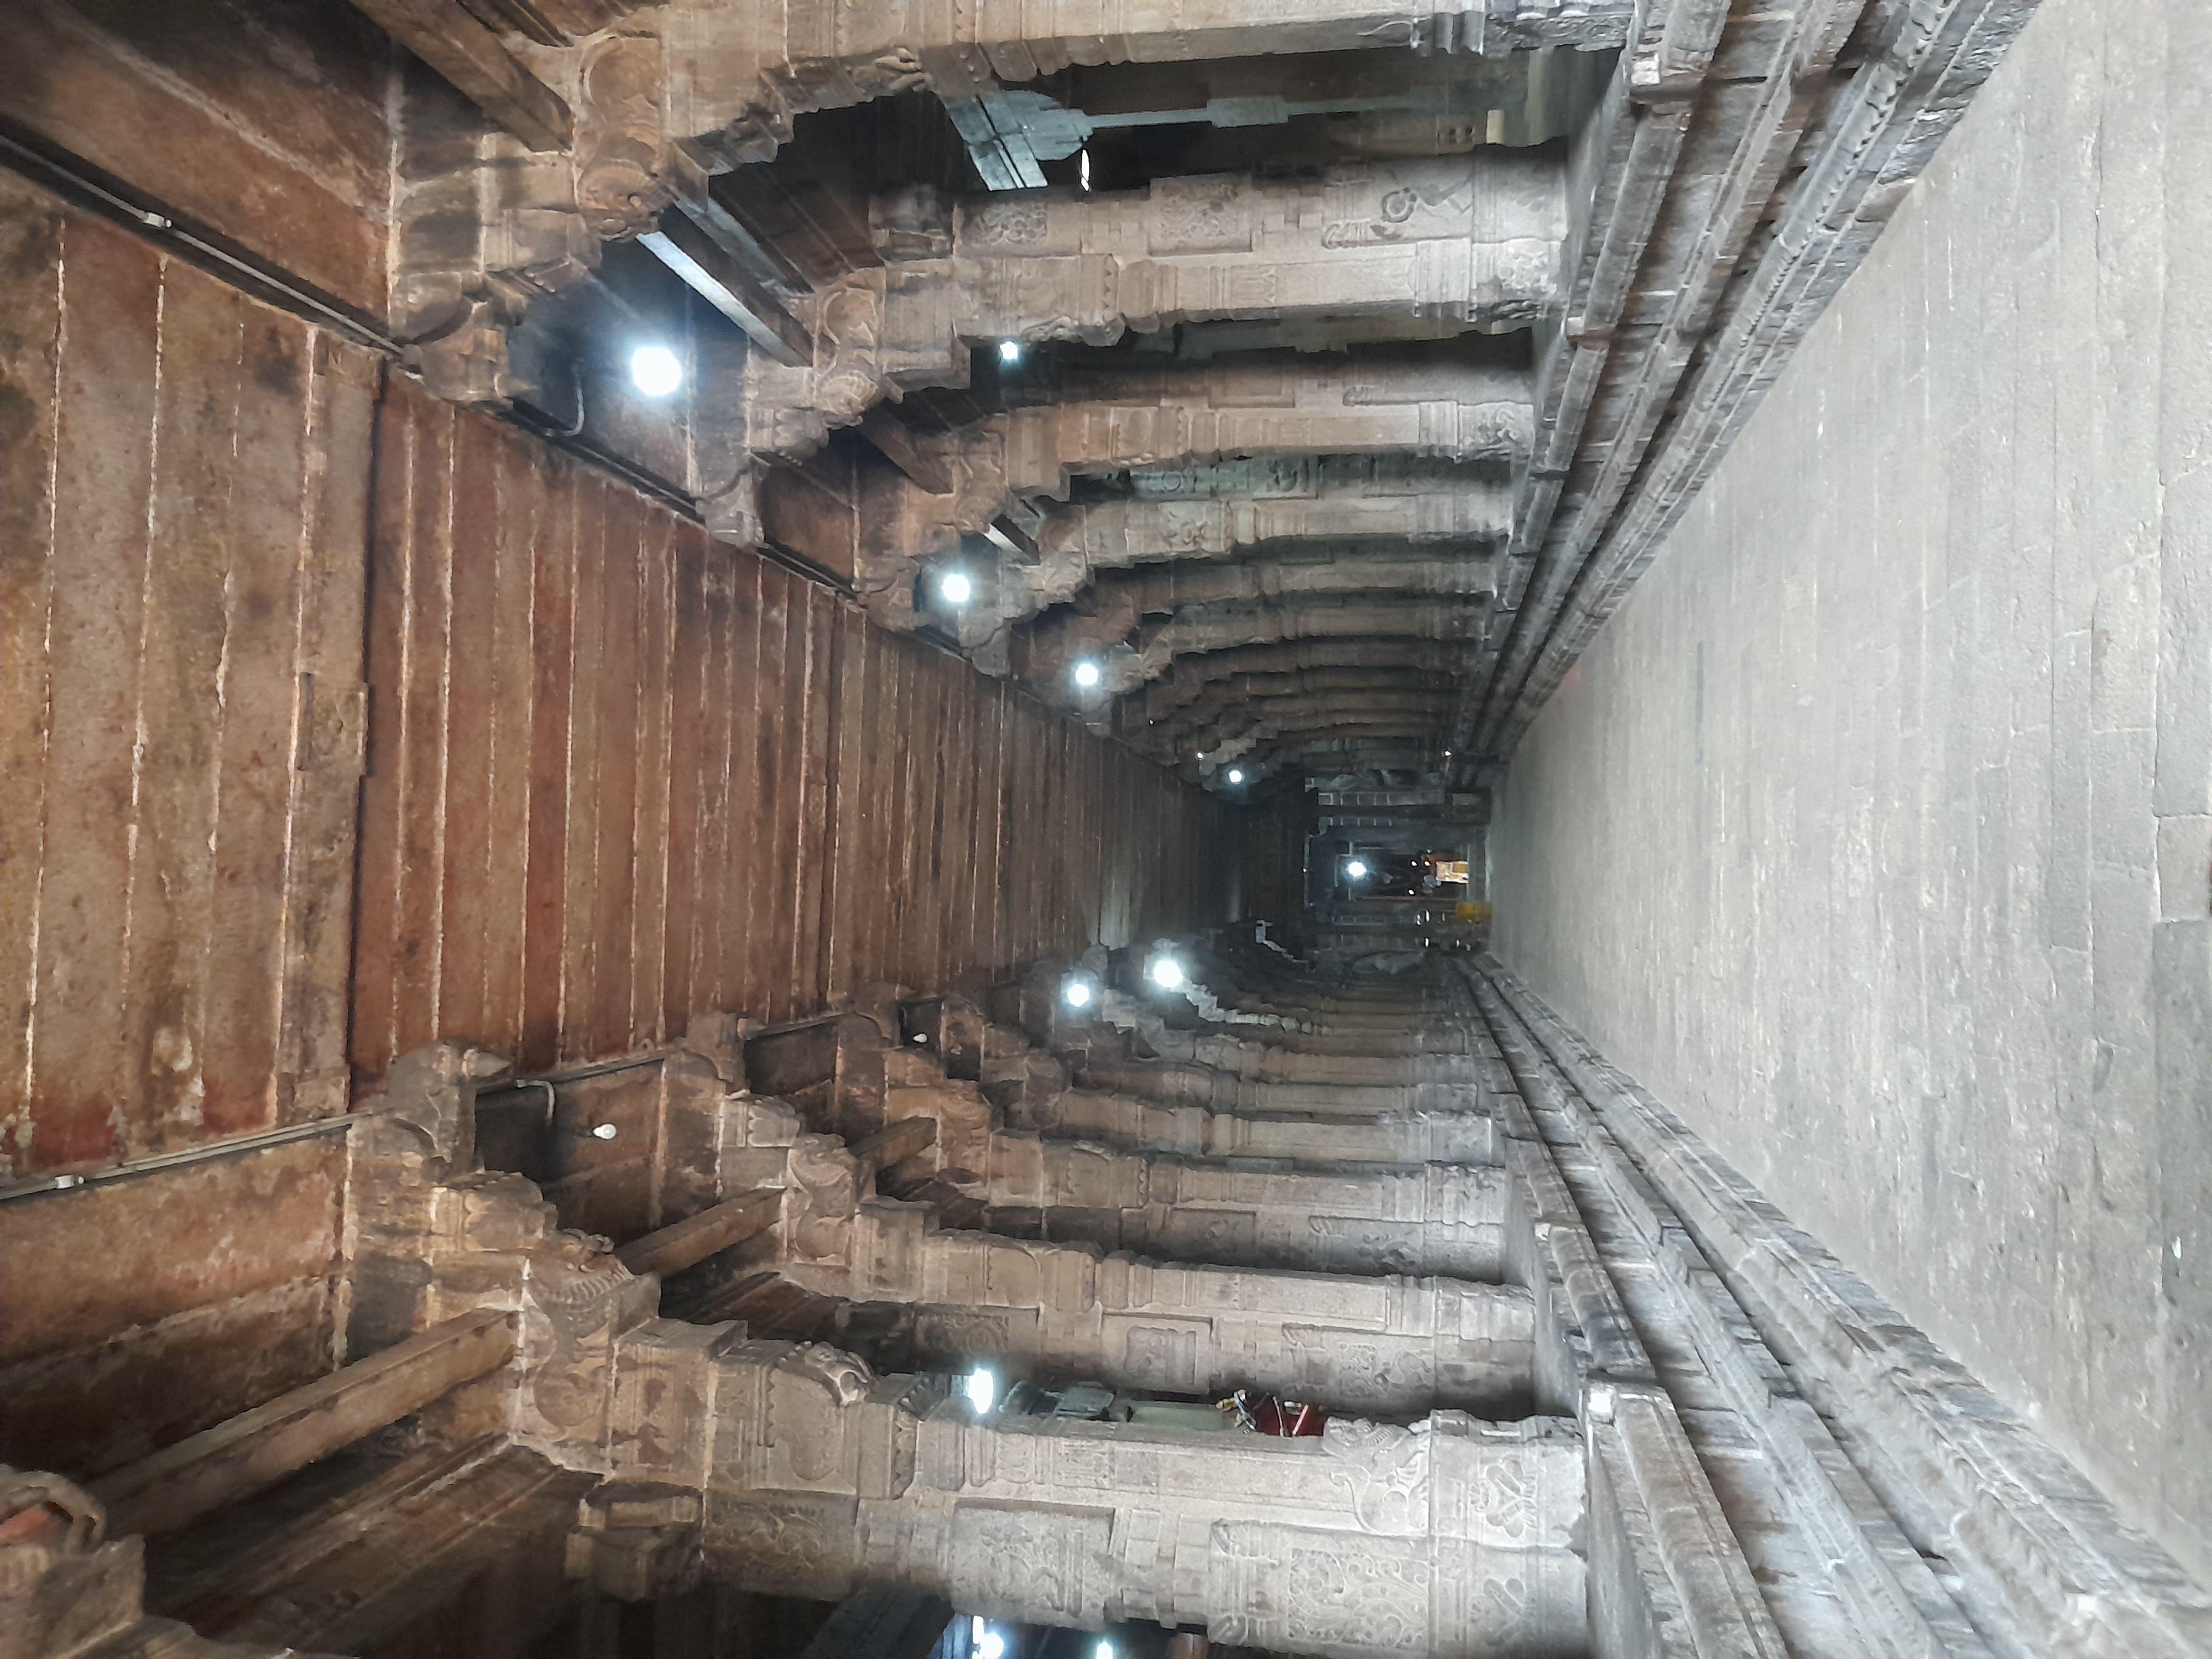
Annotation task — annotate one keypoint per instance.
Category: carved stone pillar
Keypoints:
(1437, 1218)
(1461, 239)
(740, 74)
(1381, 1344)
(1455, 1537)
(1406, 1137)
(1218, 510)
(1180, 416)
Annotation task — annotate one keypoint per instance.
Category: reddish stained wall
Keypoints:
(261, 120)
(620, 774)
(182, 517)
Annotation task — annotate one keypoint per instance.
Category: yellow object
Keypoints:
(1474, 910)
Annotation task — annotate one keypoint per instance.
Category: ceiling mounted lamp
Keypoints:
(955, 587)
(1166, 973)
(1356, 870)
(1087, 674)
(1010, 351)
(981, 1386)
(1077, 993)
(655, 370)
(1236, 775)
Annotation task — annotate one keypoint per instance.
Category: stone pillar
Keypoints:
(738, 75)
(1401, 1136)
(1442, 1219)
(1469, 240)
(1453, 1537)
(1217, 510)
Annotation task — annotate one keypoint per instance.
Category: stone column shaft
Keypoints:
(1455, 1538)
(1403, 1137)
(1439, 1219)
(1386, 1343)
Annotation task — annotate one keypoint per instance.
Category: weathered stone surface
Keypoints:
(1867, 885)
(1452, 1535)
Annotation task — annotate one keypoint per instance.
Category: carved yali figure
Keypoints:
(849, 338)
(842, 1376)
(1386, 1469)
(808, 1392)
(823, 1197)
(576, 1301)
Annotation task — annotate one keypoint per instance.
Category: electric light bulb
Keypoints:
(655, 370)
(981, 1390)
(1010, 351)
(1236, 775)
(955, 588)
(1076, 994)
(1167, 973)
(1086, 674)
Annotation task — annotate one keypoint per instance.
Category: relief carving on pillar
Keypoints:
(1291, 1589)
(823, 1198)
(622, 177)
(1386, 1470)
(1005, 223)
(808, 1422)
(787, 1543)
(1163, 1356)
(848, 353)
(1033, 1563)
(1205, 215)
(570, 1312)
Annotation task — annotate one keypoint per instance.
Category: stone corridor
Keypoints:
(1106, 829)
(969, 1294)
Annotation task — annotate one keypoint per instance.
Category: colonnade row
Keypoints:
(1565, 1414)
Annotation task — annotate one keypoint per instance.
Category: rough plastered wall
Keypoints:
(1872, 833)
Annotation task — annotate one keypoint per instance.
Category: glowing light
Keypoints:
(981, 1388)
(1087, 675)
(1010, 351)
(1104, 1650)
(604, 1131)
(1356, 870)
(993, 1646)
(975, 1628)
(1236, 775)
(955, 588)
(655, 370)
(1083, 169)
(1167, 973)
(1076, 994)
